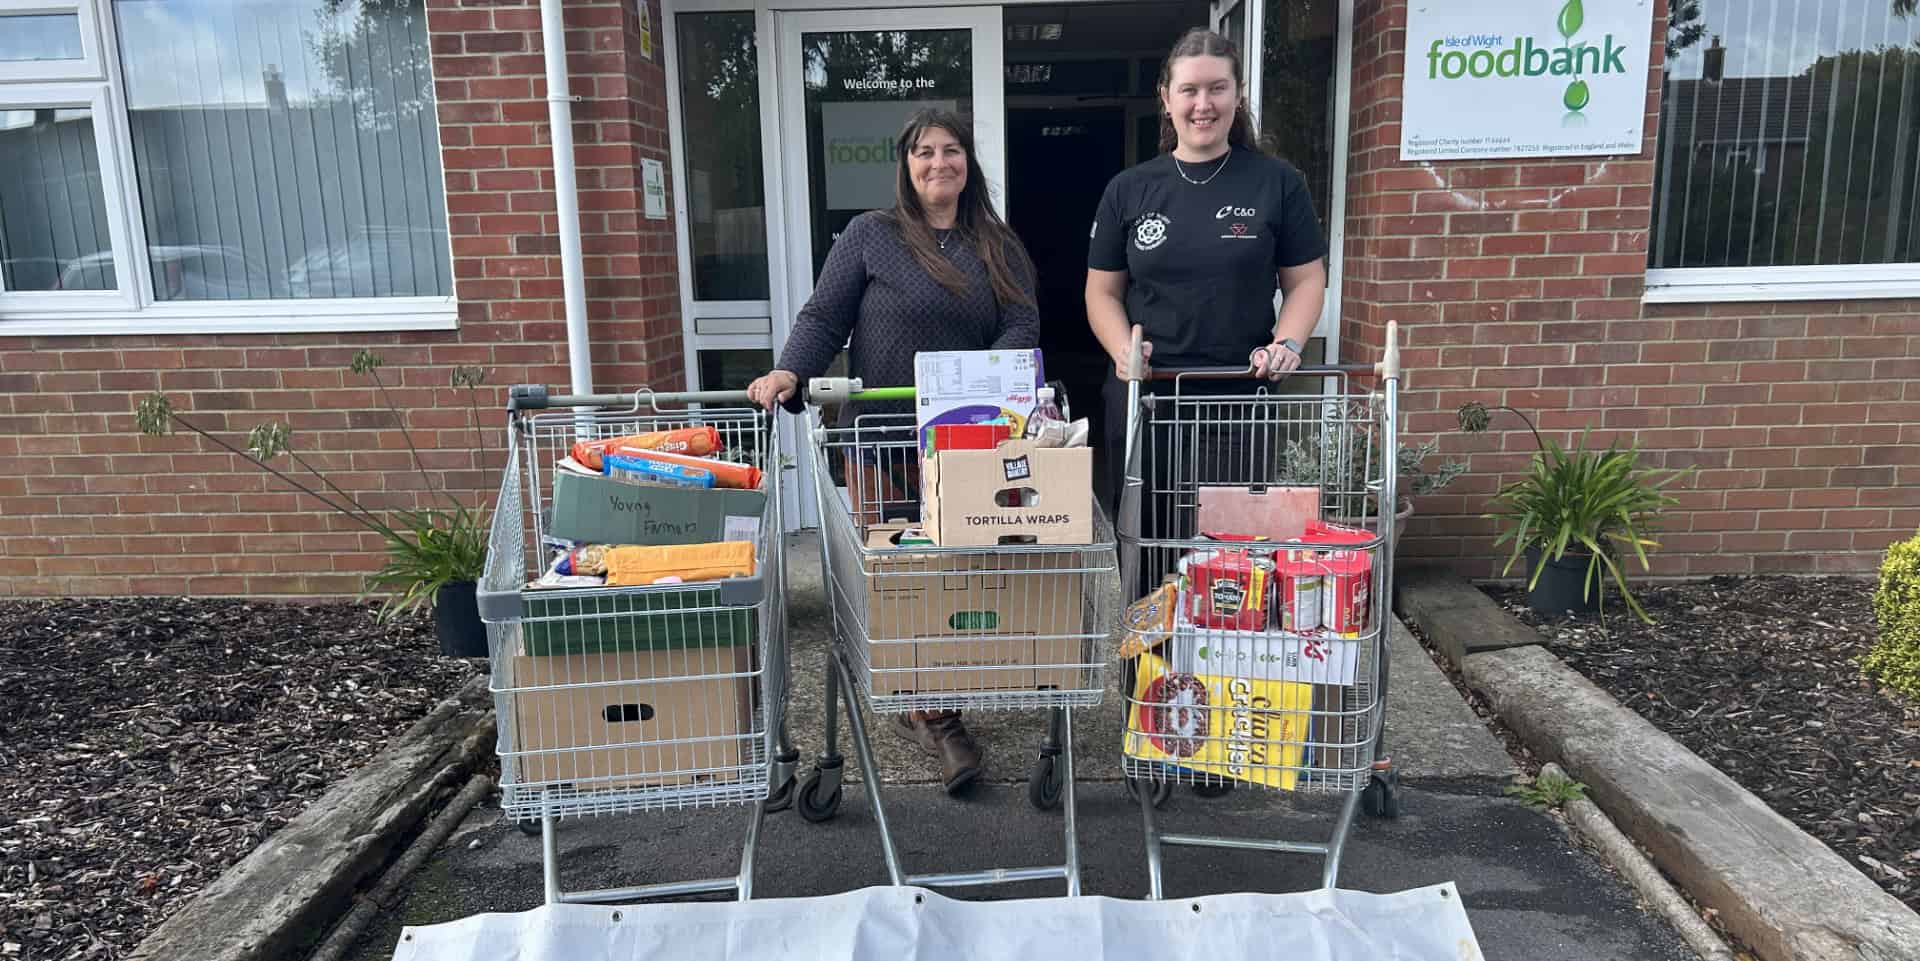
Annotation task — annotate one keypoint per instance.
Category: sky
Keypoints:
(1784, 37)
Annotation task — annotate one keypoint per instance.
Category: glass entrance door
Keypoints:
(847, 82)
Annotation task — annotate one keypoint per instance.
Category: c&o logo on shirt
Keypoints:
(1150, 231)
(1232, 211)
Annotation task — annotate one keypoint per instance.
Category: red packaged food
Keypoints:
(1348, 591)
(1299, 582)
(1228, 590)
(1323, 532)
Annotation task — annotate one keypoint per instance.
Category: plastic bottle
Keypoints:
(1043, 412)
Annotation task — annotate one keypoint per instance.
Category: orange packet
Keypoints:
(693, 441)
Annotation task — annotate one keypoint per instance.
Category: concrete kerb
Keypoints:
(1775, 887)
(284, 895)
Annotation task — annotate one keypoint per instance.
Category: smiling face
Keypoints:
(1200, 96)
(937, 167)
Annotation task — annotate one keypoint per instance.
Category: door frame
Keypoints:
(783, 120)
(783, 288)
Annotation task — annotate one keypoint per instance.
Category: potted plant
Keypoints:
(1576, 516)
(434, 554)
(1349, 478)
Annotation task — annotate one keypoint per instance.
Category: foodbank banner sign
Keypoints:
(1525, 78)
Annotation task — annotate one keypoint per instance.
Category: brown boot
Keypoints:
(941, 734)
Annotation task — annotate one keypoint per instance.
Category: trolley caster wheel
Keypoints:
(1044, 783)
(780, 798)
(1381, 797)
(529, 827)
(1159, 791)
(811, 805)
(1212, 789)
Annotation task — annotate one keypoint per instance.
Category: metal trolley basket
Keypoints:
(1291, 699)
(620, 700)
(1007, 627)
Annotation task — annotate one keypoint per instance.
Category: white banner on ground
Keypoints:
(914, 924)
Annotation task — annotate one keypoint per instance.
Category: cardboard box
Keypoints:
(1248, 730)
(1267, 655)
(955, 622)
(1017, 493)
(600, 510)
(972, 386)
(603, 735)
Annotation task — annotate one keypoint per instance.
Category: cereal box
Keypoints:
(1245, 729)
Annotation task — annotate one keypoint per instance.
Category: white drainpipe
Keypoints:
(553, 41)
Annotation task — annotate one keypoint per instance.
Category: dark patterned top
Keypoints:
(872, 289)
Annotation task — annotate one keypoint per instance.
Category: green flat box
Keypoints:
(597, 510)
(648, 621)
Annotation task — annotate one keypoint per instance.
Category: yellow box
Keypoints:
(1242, 728)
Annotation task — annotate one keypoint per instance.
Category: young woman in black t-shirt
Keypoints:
(1192, 244)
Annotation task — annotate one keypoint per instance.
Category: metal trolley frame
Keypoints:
(930, 628)
(622, 700)
(1311, 702)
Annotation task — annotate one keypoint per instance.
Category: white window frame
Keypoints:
(94, 97)
(133, 309)
(1706, 285)
(88, 67)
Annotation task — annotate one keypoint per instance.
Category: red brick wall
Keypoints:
(1520, 283)
(87, 506)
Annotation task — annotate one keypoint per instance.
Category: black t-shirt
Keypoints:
(1202, 259)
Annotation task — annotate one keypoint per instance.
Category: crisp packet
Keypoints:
(1242, 728)
(1148, 621)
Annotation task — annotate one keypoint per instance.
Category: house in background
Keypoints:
(226, 199)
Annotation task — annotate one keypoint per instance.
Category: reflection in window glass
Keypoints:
(732, 369)
(283, 150)
(53, 209)
(1296, 92)
(720, 108)
(40, 36)
(860, 88)
(1789, 135)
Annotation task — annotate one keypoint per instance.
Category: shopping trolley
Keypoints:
(1007, 627)
(621, 700)
(1268, 661)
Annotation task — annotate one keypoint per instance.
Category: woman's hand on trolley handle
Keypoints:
(774, 387)
(1274, 361)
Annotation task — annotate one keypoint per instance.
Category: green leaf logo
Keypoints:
(1571, 17)
(1576, 96)
(1203, 653)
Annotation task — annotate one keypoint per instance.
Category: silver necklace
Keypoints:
(943, 236)
(1216, 171)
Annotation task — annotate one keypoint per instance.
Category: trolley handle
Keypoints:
(840, 390)
(536, 397)
(1387, 369)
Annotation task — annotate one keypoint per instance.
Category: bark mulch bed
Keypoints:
(1757, 676)
(146, 745)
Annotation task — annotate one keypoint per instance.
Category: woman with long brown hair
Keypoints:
(939, 271)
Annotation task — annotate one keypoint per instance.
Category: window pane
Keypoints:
(53, 210)
(285, 150)
(720, 110)
(1296, 92)
(1789, 135)
(860, 88)
(732, 369)
(40, 36)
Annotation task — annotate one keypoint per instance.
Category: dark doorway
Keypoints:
(1063, 160)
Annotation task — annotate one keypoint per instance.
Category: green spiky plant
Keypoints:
(427, 547)
(1600, 503)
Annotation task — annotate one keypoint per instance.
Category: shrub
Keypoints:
(1895, 658)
